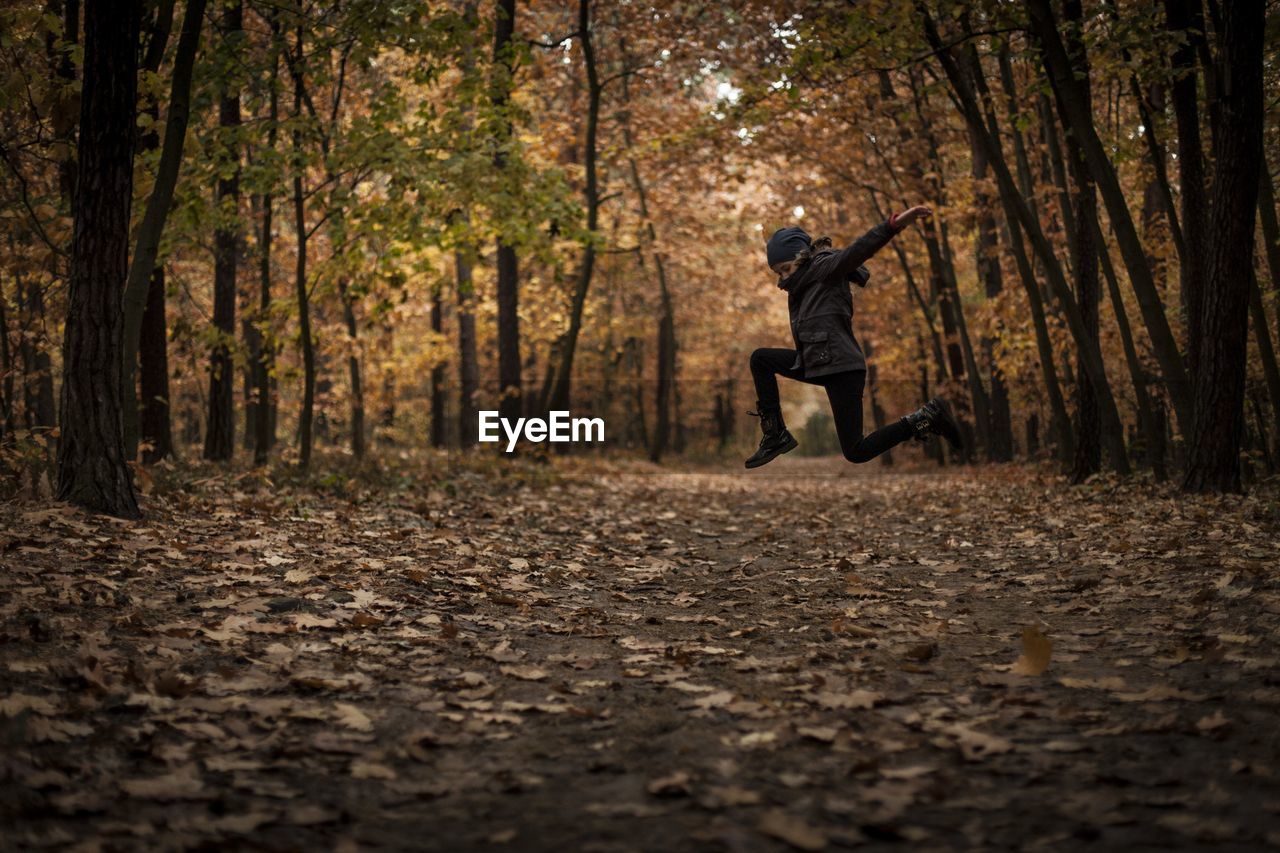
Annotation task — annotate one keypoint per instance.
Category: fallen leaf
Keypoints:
(776, 823)
(674, 785)
(352, 717)
(855, 699)
(1037, 649)
(182, 784)
(975, 745)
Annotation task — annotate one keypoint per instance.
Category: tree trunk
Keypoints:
(1016, 206)
(1084, 250)
(946, 291)
(1267, 354)
(666, 319)
(1080, 119)
(93, 470)
(468, 363)
(666, 372)
(263, 364)
(1270, 231)
(1213, 462)
(138, 286)
(510, 383)
(353, 368)
(1026, 272)
(439, 432)
(307, 414)
(63, 117)
(156, 431)
(560, 392)
(38, 363)
(264, 426)
(987, 249)
(1180, 17)
(219, 437)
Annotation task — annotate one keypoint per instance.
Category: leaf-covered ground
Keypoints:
(814, 656)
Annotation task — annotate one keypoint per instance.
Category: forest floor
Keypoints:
(811, 656)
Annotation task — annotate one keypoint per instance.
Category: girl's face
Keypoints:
(786, 268)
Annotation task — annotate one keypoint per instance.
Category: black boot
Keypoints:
(776, 441)
(934, 417)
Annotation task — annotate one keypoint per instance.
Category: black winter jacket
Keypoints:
(821, 306)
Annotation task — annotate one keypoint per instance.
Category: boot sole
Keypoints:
(786, 448)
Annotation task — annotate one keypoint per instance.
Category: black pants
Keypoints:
(844, 391)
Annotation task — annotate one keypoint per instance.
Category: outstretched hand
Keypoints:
(900, 221)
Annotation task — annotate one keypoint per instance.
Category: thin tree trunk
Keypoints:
(439, 431)
(1270, 231)
(353, 368)
(307, 414)
(7, 371)
(1026, 272)
(93, 470)
(1213, 460)
(1267, 354)
(63, 118)
(1080, 119)
(1084, 250)
(219, 437)
(153, 359)
(37, 362)
(666, 319)
(468, 363)
(510, 383)
(999, 422)
(138, 284)
(560, 391)
(1181, 16)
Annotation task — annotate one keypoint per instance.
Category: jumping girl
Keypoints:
(816, 279)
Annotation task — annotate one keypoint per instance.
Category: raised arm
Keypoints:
(851, 257)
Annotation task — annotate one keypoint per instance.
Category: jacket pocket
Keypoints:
(815, 348)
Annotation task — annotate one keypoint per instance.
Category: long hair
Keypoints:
(819, 245)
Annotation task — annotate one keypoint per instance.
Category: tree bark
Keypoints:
(560, 392)
(138, 284)
(439, 432)
(987, 250)
(657, 442)
(307, 413)
(263, 365)
(1084, 249)
(153, 359)
(37, 363)
(93, 470)
(353, 368)
(1267, 354)
(1080, 120)
(1270, 231)
(219, 437)
(1213, 462)
(1026, 272)
(1181, 17)
(510, 383)
(468, 363)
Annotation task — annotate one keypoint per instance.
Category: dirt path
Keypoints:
(813, 656)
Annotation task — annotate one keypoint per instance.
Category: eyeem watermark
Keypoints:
(559, 429)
